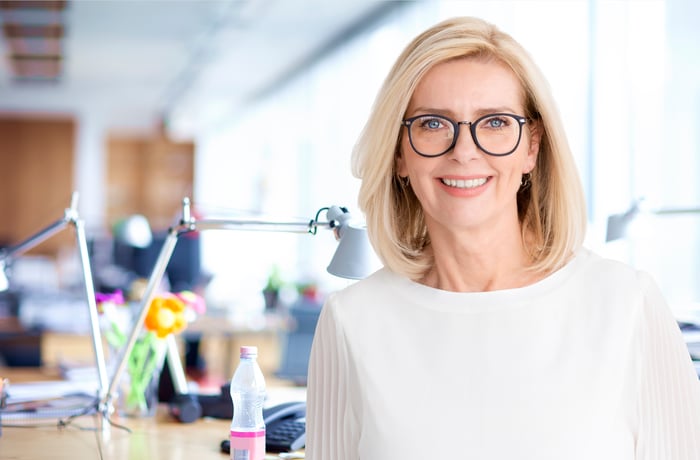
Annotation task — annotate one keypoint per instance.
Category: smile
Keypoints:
(464, 183)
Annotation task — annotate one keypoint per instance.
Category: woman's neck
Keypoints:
(478, 263)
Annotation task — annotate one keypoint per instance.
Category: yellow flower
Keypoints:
(166, 315)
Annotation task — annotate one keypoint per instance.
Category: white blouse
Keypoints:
(588, 363)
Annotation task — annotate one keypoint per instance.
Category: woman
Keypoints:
(490, 333)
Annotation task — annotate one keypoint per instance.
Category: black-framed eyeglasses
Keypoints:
(497, 134)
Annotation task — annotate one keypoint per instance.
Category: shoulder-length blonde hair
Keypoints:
(552, 211)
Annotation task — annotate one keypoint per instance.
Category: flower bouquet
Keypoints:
(168, 313)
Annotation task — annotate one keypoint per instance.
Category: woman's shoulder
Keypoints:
(376, 283)
(595, 262)
(593, 267)
(379, 288)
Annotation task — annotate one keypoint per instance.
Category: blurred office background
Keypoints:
(253, 107)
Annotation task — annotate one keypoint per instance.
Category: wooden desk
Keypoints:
(151, 438)
(159, 437)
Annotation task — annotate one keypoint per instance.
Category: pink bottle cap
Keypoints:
(248, 351)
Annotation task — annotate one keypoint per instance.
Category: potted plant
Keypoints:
(271, 291)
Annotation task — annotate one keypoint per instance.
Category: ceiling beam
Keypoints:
(34, 32)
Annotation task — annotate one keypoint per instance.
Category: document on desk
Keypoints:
(27, 402)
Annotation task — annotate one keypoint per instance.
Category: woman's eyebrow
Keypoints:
(499, 109)
(448, 112)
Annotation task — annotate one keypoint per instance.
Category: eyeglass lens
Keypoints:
(496, 134)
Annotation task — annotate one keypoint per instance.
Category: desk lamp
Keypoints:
(70, 218)
(352, 260)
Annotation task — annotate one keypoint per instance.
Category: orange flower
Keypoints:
(166, 315)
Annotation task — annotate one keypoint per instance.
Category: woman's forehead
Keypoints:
(468, 84)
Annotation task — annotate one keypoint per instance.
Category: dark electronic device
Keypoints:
(185, 408)
(217, 406)
(285, 428)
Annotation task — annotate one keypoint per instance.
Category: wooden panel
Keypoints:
(34, 35)
(36, 178)
(148, 176)
(124, 177)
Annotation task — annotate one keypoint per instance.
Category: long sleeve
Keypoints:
(669, 398)
(588, 363)
(331, 431)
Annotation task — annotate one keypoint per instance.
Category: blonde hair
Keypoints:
(552, 211)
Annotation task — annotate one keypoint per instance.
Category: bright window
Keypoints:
(622, 73)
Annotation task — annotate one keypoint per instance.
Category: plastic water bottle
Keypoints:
(248, 396)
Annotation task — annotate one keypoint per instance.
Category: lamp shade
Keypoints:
(354, 258)
(618, 224)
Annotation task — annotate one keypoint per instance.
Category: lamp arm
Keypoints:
(258, 225)
(677, 211)
(156, 275)
(89, 287)
(159, 271)
(39, 237)
(70, 217)
(189, 224)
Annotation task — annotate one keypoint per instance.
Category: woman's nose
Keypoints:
(465, 147)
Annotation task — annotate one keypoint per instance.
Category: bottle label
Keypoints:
(247, 445)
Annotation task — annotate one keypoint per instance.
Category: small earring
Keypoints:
(525, 182)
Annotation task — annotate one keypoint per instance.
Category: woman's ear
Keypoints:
(535, 128)
(400, 163)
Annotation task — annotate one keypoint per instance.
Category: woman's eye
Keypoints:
(432, 123)
(496, 123)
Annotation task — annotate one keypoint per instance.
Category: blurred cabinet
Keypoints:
(36, 178)
(148, 176)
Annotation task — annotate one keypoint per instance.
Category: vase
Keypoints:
(271, 299)
(138, 394)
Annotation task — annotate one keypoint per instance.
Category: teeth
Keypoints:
(461, 183)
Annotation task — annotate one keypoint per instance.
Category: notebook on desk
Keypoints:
(26, 403)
